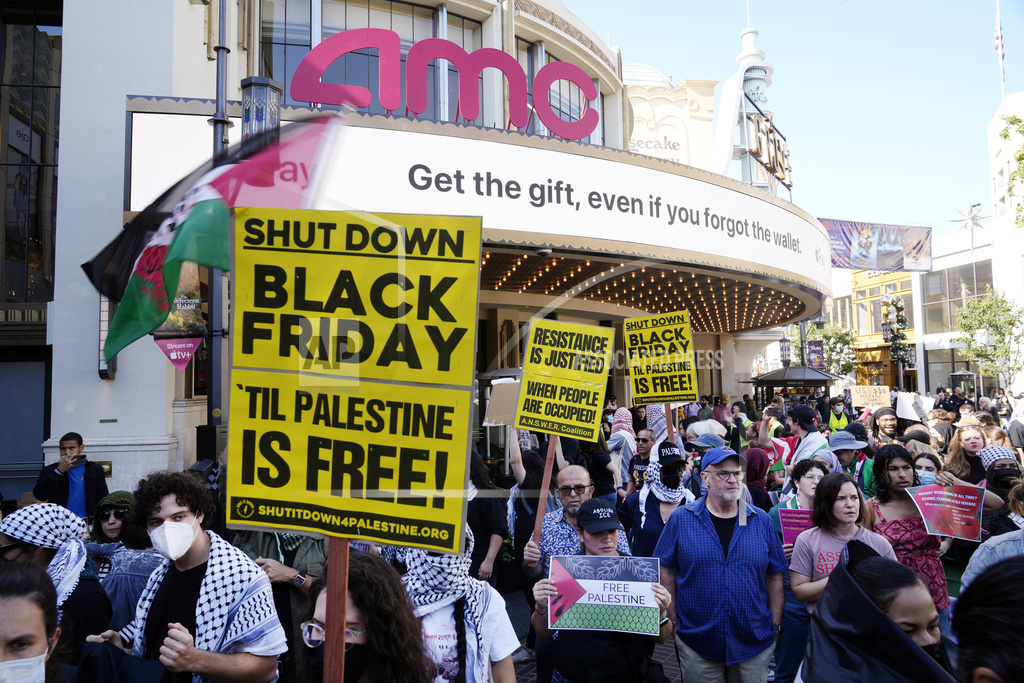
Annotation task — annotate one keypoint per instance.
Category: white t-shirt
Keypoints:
(442, 643)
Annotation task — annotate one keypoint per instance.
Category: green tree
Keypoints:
(898, 349)
(1014, 125)
(840, 357)
(990, 327)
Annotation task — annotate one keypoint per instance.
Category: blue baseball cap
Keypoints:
(717, 455)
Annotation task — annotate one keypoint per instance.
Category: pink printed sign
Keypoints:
(793, 523)
(179, 351)
(950, 510)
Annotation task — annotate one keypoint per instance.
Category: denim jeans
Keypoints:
(796, 627)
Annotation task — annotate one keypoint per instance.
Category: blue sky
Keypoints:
(884, 103)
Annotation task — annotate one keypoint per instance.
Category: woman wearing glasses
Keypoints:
(123, 555)
(383, 639)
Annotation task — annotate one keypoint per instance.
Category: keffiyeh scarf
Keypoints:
(656, 423)
(434, 581)
(622, 421)
(661, 492)
(48, 525)
(235, 607)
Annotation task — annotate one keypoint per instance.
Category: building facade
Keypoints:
(634, 235)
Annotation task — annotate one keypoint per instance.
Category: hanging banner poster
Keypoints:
(660, 354)
(873, 246)
(352, 374)
(600, 593)
(564, 378)
(870, 395)
(950, 510)
(794, 522)
(816, 354)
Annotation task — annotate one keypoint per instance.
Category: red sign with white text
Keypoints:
(950, 510)
(308, 87)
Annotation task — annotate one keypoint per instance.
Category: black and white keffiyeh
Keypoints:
(235, 607)
(48, 525)
(434, 581)
(661, 492)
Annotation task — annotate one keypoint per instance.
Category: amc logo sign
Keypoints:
(307, 86)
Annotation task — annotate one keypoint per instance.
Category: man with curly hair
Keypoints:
(207, 613)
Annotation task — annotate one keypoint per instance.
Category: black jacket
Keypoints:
(52, 486)
(852, 640)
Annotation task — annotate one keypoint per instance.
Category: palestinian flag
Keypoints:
(196, 231)
(191, 222)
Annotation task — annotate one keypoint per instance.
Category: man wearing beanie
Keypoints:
(805, 442)
(885, 426)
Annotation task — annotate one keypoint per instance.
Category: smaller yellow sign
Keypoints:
(564, 378)
(660, 354)
(870, 395)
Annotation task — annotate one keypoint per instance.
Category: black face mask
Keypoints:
(316, 664)
(937, 652)
(671, 478)
(357, 659)
(1005, 479)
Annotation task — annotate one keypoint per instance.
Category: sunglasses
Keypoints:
(579, 489)
(314, 635)
(642, 440)
(119, 514)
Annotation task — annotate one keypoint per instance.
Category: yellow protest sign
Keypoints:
(351, 295)
(564, 378)
(660, 355)
(352, 370)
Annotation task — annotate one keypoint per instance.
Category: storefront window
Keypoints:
(30, 90)
(946, 291)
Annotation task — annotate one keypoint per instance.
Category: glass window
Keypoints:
(937, 368)
(936, 318)
(861, 293)
(983, 276)
(863, 322)
(891, 287)
(961, 281)
(908, 309)
(934, 286)
(30, 69)
(874, 291)
(876, 316)
(906, 284)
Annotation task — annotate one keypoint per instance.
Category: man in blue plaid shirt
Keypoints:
(722, 561)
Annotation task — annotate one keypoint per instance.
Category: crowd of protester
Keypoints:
(139, 588)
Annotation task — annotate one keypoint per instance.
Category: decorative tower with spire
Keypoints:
(760, 147)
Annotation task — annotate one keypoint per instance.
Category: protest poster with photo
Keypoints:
(660, 355)
(599, 593)
(950, 510)
(794, 522)
(353, 343)
(870, 395)
(564, 378)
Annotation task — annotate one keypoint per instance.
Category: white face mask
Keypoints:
(24, 670)
(173, 539)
